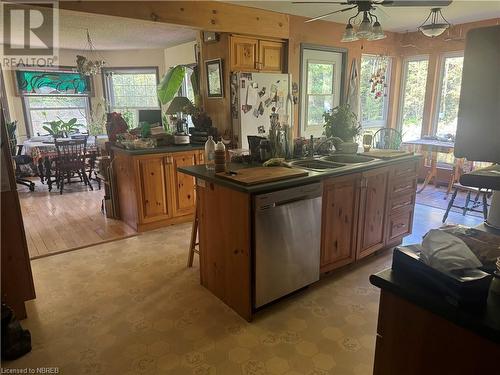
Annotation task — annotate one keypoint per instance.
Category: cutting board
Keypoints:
(386, 154)
(260, 175)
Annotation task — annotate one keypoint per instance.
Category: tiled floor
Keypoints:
(55, 223)
(132, 307)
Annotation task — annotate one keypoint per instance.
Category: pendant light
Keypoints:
(366, 30)
(91, 63)
(435, 27)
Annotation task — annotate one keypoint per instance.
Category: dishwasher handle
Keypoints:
(284, 202)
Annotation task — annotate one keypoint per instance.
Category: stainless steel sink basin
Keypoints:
(319, 165)
(348, 159)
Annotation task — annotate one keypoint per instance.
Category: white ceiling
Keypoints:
(392, 18)
(117, 33)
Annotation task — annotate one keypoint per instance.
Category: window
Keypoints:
(374, 82)
(449, 95)
(129, 90)
(321, 78)
(42, 109)
(51, 95)
(413, 89)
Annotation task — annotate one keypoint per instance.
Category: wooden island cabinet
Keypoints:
(365, 208)
(365, 212)
(151, 192)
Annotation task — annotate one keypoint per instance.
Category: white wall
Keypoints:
(181, 54)
(161, 58)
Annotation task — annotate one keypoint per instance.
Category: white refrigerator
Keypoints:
(254, 96)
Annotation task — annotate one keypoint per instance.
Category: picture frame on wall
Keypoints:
(215, 82)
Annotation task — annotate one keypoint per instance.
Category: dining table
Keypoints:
(432, 147)
(43, 151)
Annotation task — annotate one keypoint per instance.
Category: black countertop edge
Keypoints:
(159, 150)
(485, 323)
(200, 171)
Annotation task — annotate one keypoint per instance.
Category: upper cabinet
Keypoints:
(256, 55)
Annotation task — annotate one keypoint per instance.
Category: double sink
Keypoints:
(331, 162)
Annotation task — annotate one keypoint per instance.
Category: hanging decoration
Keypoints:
(377, 80)
(92, 63)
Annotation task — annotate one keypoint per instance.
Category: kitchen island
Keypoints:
(151, 192)
(365, 207)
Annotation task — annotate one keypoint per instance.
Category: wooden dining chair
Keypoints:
(70, 161)
(387, 139)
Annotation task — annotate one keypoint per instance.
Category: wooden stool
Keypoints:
(475, 203)
(194, 235)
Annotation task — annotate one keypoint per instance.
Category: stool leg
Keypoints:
(194, 234)
(466, 206)
(485, 206)
(445, 216)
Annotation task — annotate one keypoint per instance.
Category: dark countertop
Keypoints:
(485, 323)
(200, 171)
(159, 150)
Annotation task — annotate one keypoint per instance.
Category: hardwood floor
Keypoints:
(57, 223)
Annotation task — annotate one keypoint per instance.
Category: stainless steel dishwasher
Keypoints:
(287, 230)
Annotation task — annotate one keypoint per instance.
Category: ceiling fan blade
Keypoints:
(416, 3)
(329, 14)
(321, 2)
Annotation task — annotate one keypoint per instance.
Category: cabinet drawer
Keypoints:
(400, 224)
(403, 169)
(402, 186)
(402, 202)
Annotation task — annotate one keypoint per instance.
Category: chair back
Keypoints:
(387, 139)
(71, 153)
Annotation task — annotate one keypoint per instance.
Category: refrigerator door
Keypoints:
(258, 93)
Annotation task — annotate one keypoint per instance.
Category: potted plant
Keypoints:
(341, 124)
(60, 128)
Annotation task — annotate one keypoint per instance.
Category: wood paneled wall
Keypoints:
(327, 33)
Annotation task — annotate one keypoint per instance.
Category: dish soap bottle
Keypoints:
(220, 157)
(210, 153)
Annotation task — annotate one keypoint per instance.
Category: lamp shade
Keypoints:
(433, 30)
(365, 28)
(349, 34)
(179, 104)
(377, 32)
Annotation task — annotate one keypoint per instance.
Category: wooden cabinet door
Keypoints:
(372, 211)
(152, 177)
(243, 53)
(339, 223)
(181, 185)
(271, 56)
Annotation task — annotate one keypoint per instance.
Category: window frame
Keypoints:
(388, 74)
(437, 103)
(27, 109)
(402, 88)
(302, 107)
(107, 88)
(307, 95)
(25, 97)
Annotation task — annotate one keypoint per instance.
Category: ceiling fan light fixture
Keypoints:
(365, 29)
(349, 34)
(377, 32)
(436, 26)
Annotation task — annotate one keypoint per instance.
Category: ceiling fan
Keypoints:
(366, 29)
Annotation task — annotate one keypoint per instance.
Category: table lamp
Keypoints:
(180, 106)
